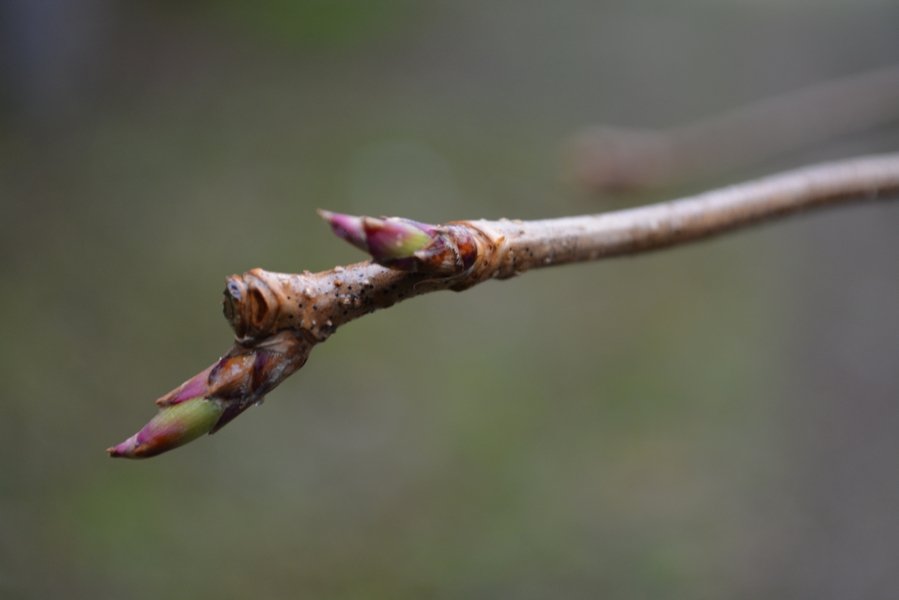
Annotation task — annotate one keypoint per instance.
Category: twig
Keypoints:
(278, 318)
(608, 158)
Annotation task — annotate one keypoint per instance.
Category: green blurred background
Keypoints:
(716, 421)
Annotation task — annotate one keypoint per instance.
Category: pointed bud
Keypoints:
(174, 425)
(208, 401)
(347, 227)
(393, 239)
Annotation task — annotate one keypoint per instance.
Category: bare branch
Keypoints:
(278, 318)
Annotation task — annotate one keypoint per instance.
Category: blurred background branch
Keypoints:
(618, 159)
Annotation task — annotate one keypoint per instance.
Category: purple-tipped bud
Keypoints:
(174, 425)
(393, 239)
(347, 227)
(408, 245)
(210, 400)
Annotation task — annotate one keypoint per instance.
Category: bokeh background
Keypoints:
(715, 421)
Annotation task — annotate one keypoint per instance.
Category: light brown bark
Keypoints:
(262, 303)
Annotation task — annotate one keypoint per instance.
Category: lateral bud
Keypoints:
(407, 245)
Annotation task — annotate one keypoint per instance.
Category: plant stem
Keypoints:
(278, 318)
(319, 303)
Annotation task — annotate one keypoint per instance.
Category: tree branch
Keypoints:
(278, 318)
